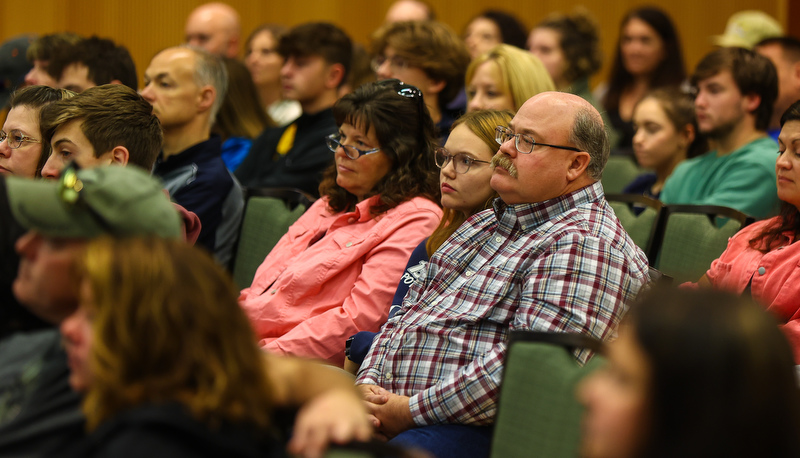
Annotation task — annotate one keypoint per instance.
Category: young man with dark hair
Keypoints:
(103, 125)
(93, 62)
(735, 91)
(428, 55)
(41, 51)
(784, 52)
(318, 59)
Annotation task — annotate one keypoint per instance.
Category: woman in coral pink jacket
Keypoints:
(335, 271)
(763, 259)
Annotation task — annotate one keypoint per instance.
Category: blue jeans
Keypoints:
(446, 441)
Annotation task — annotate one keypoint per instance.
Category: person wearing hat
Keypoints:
(746, 28)
(39, 413)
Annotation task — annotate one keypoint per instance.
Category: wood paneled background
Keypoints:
(146, 26)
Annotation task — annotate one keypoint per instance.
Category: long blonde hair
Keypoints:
(482, 123)
(167, 328)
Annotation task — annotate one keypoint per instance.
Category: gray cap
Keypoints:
(111, 200)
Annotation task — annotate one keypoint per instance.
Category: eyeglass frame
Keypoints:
(334, 138)
(501, 130)
(449, 157)
(396, 62)
(4, 137)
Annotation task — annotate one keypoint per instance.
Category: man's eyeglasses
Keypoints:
(461, 161)
(396, 63)
(15, 138)
(523, 142)
(334, 141)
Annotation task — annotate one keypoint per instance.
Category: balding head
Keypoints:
(577, 152)
(409, 10)
(214, 27)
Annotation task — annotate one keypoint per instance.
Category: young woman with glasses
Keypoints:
(464, 181)
(335, 270)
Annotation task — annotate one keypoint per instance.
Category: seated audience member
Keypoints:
(784, 53)
(334, 272)
(39, 413)
(317, 62)
(504, 78)
(761, 259)
(23, 151)
(214, 27)
(13, 67)
(648, 56)
(186, 87)
(109, 124)
(264, 63)
(693, 374)
(410, 10)
(41, 51)
(491, 28)
(735, 90)
(428, 55)
(93, 62)
(550, 255)
(360, 71)
(569, 47)
(241, 118)
(215, 388)
(746, 28)
(666, 134)
(464, 181)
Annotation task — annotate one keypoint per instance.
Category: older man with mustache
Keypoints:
(550, 256)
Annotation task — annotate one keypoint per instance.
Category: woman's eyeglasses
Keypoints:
(461, 161)
(335, 141)
(15, 138)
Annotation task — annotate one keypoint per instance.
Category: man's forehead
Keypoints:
(172, 62)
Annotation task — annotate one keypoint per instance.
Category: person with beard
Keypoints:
(735, 91)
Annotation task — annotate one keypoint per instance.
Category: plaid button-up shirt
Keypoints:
(565, 264)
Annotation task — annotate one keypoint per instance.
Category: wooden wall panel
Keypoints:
(146, 26)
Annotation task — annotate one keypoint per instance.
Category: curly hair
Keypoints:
(155, 342)
(405, 132)
(579, 39)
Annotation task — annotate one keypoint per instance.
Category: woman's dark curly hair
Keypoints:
(579, 38)
(406, 134)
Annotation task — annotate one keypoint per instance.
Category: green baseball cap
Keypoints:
(111, 200)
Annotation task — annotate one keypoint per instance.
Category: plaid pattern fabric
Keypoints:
(565, 264)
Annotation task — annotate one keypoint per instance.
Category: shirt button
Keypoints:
(388, 376)
(348, 244)
(762, 271)
(469, 273)
(498, 239)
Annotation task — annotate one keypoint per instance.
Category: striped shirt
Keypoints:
(565, 264)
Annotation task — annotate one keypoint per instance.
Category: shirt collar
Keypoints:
(533, 215)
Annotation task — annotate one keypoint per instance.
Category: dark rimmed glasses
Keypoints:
(523, 142)
(461, 161)
(335, 140)
(396, 63)
(15, 138)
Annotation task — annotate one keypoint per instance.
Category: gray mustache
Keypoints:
(502, 161)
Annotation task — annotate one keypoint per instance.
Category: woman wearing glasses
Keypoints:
(464, 182)
(21, 144)
(335, 270)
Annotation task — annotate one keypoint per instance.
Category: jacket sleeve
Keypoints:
(367, 306)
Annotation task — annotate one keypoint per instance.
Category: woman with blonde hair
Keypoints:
(504, 78)
(169, 365)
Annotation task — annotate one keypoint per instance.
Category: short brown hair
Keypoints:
(431, 46)
(752, 72)
(319, 39)
(112, 115)
(47, 46)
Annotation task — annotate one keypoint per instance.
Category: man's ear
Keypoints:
(206, 98)
(435, 87)
(120, 155)
(751, 102)
(579, 161)
(334, 76)
(115, 82)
